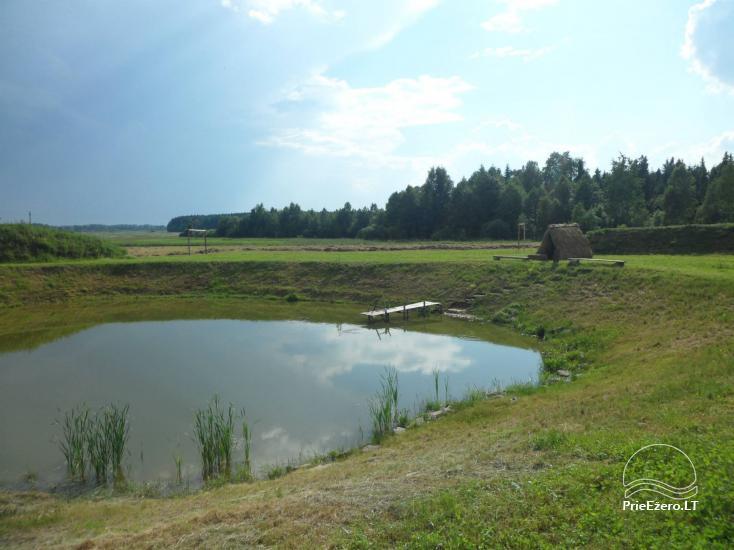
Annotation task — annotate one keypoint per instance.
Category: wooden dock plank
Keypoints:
(400, 309)
(501, 257)
(577, 261)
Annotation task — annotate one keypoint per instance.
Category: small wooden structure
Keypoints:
(505, 257)
(196, 233)
(564, 241)
(424, 307)
(577, 261)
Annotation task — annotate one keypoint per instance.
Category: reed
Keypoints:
(214, 436)
(75, 427)
(98, 449)
(116, 432)
(246, 443)
(178, 459)
(383, 407)
(436, 376)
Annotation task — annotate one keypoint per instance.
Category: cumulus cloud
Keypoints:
(267, 11)
(510, 20)
(526, 54)
(367, 123)
(708, 46)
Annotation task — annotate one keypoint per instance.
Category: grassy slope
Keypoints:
(23, 242)
(654, 347)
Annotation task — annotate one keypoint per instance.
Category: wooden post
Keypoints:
(205, 249)
(188, 239)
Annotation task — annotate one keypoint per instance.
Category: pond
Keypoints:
(305, 386)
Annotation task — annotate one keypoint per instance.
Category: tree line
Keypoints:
(492, 202)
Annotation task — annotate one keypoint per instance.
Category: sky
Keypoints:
(138, 111)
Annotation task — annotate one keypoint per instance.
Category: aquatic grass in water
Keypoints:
(383, 407)
(214, 435)
(75, 427)
(247, 444)
(178, 459)
(107, 437)
(117, 432)
(96, 441)
(436, 375)
(98, 449)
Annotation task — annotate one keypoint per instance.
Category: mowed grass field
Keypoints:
(346, 251)
(164, 239)
(650, 347)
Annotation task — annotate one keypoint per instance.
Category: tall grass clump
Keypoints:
(107, 437)
(117, 432)
(75, 428)
(98, 449)
(214, 436)
(96, 441)
(435, 403)
(247, 444)
(384, 405)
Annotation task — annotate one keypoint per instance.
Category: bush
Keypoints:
(23, 242)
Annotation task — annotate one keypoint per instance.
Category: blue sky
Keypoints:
(136, 111)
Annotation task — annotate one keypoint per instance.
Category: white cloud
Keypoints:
(510, 20)
(707, 44)
(267, 11)
(505, 123)
(526, 54)
(368, 123)
(711, 150)
(405, 14)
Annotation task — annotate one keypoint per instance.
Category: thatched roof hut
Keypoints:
(563, 241)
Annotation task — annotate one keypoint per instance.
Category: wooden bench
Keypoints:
(614, 263)
(500, 257)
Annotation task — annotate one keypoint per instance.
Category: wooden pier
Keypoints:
(423, 307)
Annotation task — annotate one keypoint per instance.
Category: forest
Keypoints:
(491, 202)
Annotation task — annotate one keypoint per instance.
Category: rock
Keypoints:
(440, 412)
(465, 316)
(494, 394)
(399, 430)
(370, 448)
(513, 399)
(419, 421)
(563, 373)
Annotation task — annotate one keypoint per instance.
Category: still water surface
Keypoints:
(305, 386)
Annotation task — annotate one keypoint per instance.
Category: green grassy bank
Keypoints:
(22, 242)
(650, 346)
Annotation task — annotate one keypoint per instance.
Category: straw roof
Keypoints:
(563, 241)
